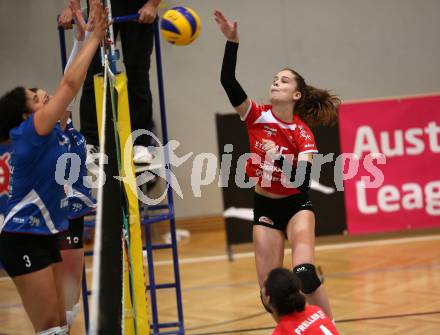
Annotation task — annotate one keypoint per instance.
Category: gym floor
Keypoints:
(383, 284)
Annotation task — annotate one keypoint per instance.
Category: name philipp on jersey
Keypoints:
(4, 173)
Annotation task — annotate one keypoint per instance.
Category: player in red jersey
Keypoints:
(281, 144)
(281, 293)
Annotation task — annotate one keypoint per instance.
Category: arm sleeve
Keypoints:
(77, 45)
(233, 89)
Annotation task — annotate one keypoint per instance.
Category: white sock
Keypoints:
(50, 331)
(71, 315)
(64, 330)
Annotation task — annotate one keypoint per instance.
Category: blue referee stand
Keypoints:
(166, 212)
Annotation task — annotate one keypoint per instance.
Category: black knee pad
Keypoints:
(308, 276)
(265, 307)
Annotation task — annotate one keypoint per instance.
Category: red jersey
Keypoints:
(311, 321)
(291, 138)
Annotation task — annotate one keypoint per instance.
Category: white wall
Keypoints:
(359, 49)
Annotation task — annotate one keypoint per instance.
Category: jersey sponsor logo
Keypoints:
(270, 131)
(64, 140)
(34, 221)
(267, 117)
(309, 146)
(4, 173)
(259, 145)
(76, 207)
(18, 220)
(266, 220)
(303, 133)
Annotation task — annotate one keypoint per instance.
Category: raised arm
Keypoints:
(45, 120)
(82, 31)
(237, 96)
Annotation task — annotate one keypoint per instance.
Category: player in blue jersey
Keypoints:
(79, 195)
(37, 206)
(80, 202)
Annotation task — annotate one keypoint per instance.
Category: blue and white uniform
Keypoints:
(79, 195)
(5, 159)
(37, 203)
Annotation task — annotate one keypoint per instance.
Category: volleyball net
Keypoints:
(119, 288)
(119, 303)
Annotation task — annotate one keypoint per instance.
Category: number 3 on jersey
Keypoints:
(27, 261)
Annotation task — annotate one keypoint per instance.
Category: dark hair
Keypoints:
(12, 107)
(283, 288)
(316, 106)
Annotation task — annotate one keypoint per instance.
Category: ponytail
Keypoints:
(294, 302)
(283, 288)
(316, 107)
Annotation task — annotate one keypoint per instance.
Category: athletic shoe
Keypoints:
(141, 155)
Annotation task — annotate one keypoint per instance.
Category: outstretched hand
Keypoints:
(80, 25)
(98, 19)
(228, 28)
(65, 18)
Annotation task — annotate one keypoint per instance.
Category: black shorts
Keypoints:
(26, 253)
(276, 213)
(72, 238)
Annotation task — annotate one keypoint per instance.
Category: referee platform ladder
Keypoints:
(150, 215)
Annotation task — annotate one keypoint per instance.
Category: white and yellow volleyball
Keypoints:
(180, 25)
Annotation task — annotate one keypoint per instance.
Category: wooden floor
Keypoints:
(387, 286)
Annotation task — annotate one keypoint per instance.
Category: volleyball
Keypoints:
(180, 25)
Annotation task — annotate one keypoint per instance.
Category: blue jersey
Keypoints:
(5, 158)
(37, 203)
(81, 201)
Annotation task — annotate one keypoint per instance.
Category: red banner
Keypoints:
(404, 192)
